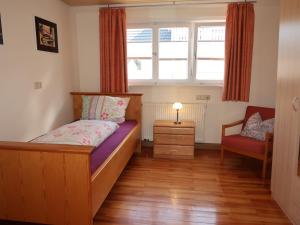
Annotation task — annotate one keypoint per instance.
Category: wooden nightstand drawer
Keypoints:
(173, 130)
(173, 151)
(174, 139)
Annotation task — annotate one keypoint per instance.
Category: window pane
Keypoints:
(173, 69)
(139, 68)
(143, 35)
(139, 50)
(173, 53)
(139, 53)
(211, 33)
(177, 50)
(210, 50)
(210, 53)
(210, 70)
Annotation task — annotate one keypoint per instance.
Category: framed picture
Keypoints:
(46, 35)
(1, 35)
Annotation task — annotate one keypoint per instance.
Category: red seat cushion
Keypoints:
(243, 143)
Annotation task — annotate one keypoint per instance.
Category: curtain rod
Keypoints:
(176, 3)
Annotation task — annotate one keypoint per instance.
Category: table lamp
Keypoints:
(177, 106)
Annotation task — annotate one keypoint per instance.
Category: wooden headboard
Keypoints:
(133, 112)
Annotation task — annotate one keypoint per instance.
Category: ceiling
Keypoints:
(99, 2)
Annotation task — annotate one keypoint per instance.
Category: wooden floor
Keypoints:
(196, 192)
(200, 191)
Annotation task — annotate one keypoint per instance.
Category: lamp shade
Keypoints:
(177, 105)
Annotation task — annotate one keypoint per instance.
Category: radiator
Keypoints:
(164, 111)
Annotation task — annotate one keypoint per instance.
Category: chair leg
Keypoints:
(264, 169)
(222, 155)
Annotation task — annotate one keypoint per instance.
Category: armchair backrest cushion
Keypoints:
(265, 113)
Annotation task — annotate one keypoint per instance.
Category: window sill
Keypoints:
(218, 84)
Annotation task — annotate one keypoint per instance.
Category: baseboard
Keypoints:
(147, 144)
(198, 146)
(208, 146)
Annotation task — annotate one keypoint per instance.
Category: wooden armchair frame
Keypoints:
(266, 157)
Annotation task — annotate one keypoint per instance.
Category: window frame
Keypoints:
(195, 58)
(190, 45)
(142, 81)
(192, 56)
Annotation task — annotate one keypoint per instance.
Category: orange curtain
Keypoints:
(113, 51)
(238, 51)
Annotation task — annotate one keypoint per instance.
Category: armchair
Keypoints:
(261, 150)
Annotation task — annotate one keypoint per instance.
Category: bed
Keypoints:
(63, 184)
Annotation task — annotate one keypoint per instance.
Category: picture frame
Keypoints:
(46, 35)
(1, 34)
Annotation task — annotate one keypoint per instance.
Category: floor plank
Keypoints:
(193, 192)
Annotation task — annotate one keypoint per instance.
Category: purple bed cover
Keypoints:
(103, 151)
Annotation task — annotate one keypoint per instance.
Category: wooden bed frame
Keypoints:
(53, 184)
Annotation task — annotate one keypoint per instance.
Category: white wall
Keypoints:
(263, 87)
(26, 112)
(86, 46)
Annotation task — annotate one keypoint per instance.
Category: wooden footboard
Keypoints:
(45, 183)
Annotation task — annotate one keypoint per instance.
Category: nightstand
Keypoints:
(174, 140)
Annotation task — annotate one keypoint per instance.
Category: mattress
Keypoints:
(103, 151)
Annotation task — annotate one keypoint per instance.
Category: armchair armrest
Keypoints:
(224, 126)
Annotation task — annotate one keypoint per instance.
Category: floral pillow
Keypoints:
(114, 109)
(268, 125)
(104, 108)
(256, 128)
(253, 123)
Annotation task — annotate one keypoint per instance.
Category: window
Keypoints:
(210, 53)
(173, 53)
(163, 53)
(139, 53)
